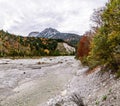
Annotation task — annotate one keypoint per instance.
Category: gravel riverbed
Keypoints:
(31, 82)
(52, 81)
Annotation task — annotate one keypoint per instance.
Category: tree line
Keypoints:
(101, 45)
(12, 45)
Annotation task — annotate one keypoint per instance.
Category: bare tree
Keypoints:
(96, 18)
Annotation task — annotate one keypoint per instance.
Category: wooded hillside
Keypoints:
(12, 45)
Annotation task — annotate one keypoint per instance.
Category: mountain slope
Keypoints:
(12, 45)
(65, 49)
(70, 38)
(33, 34)
(48, 33)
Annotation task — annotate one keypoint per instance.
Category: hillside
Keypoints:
(64, 49)
(70, 38)
(12, 45)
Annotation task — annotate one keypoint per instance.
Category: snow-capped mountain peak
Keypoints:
(48, 33)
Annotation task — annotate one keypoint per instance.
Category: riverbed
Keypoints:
(32, 82)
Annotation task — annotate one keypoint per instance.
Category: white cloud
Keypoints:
(24, 16)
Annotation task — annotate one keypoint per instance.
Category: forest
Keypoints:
(12, 45)
(101, 45)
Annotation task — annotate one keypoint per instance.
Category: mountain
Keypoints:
(48, 33)
(70, 38)
(12, 45)
(33, 34)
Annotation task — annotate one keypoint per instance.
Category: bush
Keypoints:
(76, 98)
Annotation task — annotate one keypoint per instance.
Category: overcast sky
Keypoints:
(24, 16)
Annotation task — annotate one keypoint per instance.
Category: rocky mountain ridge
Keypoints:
(51, 33)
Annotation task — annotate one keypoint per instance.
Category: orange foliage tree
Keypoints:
(83, 47)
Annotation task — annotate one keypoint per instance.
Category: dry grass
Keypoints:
(90, 71)
(76, 98)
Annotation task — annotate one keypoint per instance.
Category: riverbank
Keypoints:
(95, 89)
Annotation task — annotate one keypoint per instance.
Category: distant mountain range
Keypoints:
(51, 33)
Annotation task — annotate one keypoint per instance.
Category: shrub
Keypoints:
(76, 98)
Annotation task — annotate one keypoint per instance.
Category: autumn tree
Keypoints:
(97, 20)
(105, 47)
(83, 46)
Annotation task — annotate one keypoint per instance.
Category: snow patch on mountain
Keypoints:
(48, 33)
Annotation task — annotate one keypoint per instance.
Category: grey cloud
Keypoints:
(24, 16)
